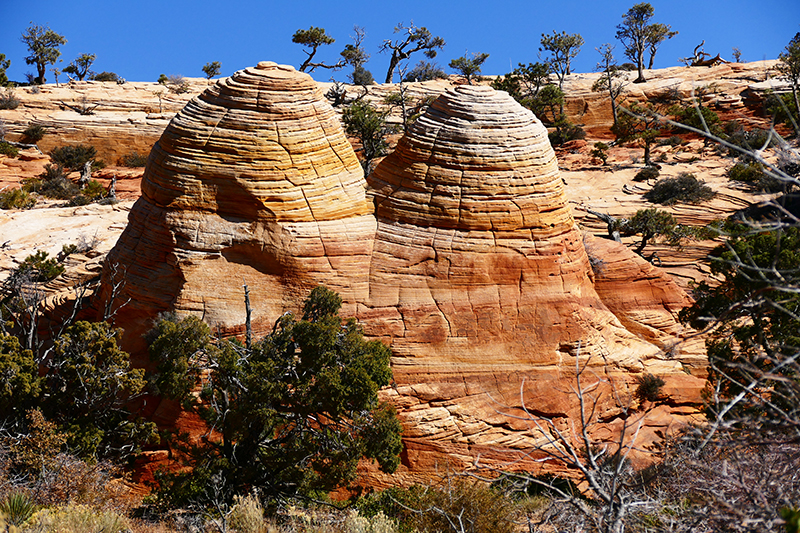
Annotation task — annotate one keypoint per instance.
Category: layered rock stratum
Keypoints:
(481, 284)
(467, 259)
(252, 183)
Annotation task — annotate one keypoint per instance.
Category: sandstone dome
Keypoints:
(481, 284)
(253, 182)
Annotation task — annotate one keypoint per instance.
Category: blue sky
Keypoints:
(141, 40)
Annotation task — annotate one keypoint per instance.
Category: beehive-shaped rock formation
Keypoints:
(480, 281)
(253, 182)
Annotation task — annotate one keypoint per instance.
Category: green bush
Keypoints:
(73, 157)
(52, 183)
(565, 131)
(361, 76)
(34, 133)
(753, 139)
(425, 71)
(93, 192)
(753, 174)
(38, 267)
(649, 387)
(689, 116)
(133, 160)
(16, 199)
(8, 150)
(600, 151)
(105, 76)
(671, 141)
(685, 188)
(646, 174)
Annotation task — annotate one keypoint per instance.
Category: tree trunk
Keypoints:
(647, 161)
(611, 94)
(796, 109)
(640, 68)
(392, 65)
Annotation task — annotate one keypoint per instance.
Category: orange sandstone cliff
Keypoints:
(469, 263)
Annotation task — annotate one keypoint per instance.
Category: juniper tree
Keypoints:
(43, 45)
(638, 35)
(415, 39)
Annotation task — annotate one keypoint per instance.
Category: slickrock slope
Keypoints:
(480, 282)
(253, 182)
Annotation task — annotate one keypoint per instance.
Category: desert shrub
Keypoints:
(754, 175)
(480, 507)
(247, 515)
(58, 188)
(753, 139)
(8, 150)
(647, 173)
(39, 267)
(16, 199)
(362, 76)
(105, 76)
(685, 188)
(34, 133)
(425, 71)
(648, 387)
(73, 157)
(133, 160)
(670, 141)
(689, 116)
(565, 131)
(8, 100)
(176, 84)
(17, 508)
(93, 192)
(600, 151)
(380, 523)
(78, 518)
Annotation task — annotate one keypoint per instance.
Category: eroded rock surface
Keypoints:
(481, 284)
(253, 182)
(467, 261)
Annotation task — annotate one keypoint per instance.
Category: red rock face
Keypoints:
(469, 265)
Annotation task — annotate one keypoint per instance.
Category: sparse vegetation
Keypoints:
(469, 67)
(43, 45)
(639, 35)
(34, 133)
(647, 174)
(8, 150)
(684, 188)
(16, 199)
(8, 100)
(133, 160)
(74, 157)
(212, 69)
(648, 387)
(4, 64)
(413, 39)
(425, 71)
(368, 125)
(106, 76)
(600, 151)
(81, 66)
